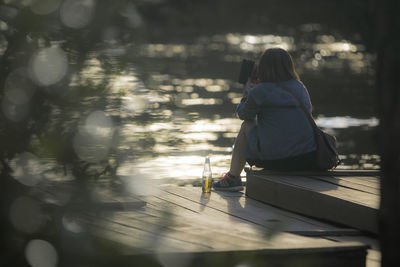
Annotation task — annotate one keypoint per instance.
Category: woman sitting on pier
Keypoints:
(275, 133)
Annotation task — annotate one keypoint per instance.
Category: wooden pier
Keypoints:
(349, 198)
(181, 226)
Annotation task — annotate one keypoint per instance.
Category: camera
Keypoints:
(247, 70)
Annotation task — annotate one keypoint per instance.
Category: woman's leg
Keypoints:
(238, 158)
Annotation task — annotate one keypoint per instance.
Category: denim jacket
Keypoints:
(282, 129)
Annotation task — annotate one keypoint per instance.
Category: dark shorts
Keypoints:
(303, 162)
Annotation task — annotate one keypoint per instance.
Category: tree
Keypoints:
(45, 46)
(388, 91)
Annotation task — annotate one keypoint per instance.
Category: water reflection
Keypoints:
(325, 51)
(160, 122)
(345, 122)
(190, 110)
(231, 42)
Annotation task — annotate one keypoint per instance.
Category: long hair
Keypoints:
(276, 65)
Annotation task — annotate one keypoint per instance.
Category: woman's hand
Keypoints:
(249, 85)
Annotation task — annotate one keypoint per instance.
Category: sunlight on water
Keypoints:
(228, 43)
(134, 104)
(328, 53)
(258, 43)
(330, 47)
(345, 122)
(219, 125)
(364, 161)
(168, 121)
(93, 73)
(201, 101)
(170, 50)
(332, 54)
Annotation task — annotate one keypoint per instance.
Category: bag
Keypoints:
(327, 155)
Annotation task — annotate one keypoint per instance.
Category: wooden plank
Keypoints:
(237, 205)
(319, 200)
(182, 229)
(359, 184)
(206, 222)
(140, 240)
(337, 172)
(373, 253)
(167, 224)
(327, 257)
(199, 234)
(368, 181)
(208, 219)
(348, 194)
(178, 222)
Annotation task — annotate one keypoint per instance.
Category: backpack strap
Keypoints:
(303, 107)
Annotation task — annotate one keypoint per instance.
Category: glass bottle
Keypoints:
(207, 176)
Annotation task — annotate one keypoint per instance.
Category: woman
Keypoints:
(275, 133)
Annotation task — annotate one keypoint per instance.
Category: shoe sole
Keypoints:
(230, 189)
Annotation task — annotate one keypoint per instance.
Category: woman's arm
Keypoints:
(247, 108)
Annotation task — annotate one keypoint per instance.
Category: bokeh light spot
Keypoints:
(110, 35)
(72, 224)
(134, 19)
(26, 169)
(77, 13)
(3, 41)
(88, 148)
(244, 264)
(40, 253)
(26, 215)
(134, 104)
(14, 112)
(49, 66)
(94, 139)
(98, 124)
(18, 87)
(18, 91)
(141, 183)
(44, 7)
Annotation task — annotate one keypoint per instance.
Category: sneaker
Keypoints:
(228, 183)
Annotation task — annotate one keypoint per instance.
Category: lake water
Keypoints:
(174, 103)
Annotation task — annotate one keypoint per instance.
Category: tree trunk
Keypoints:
(388, 91)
